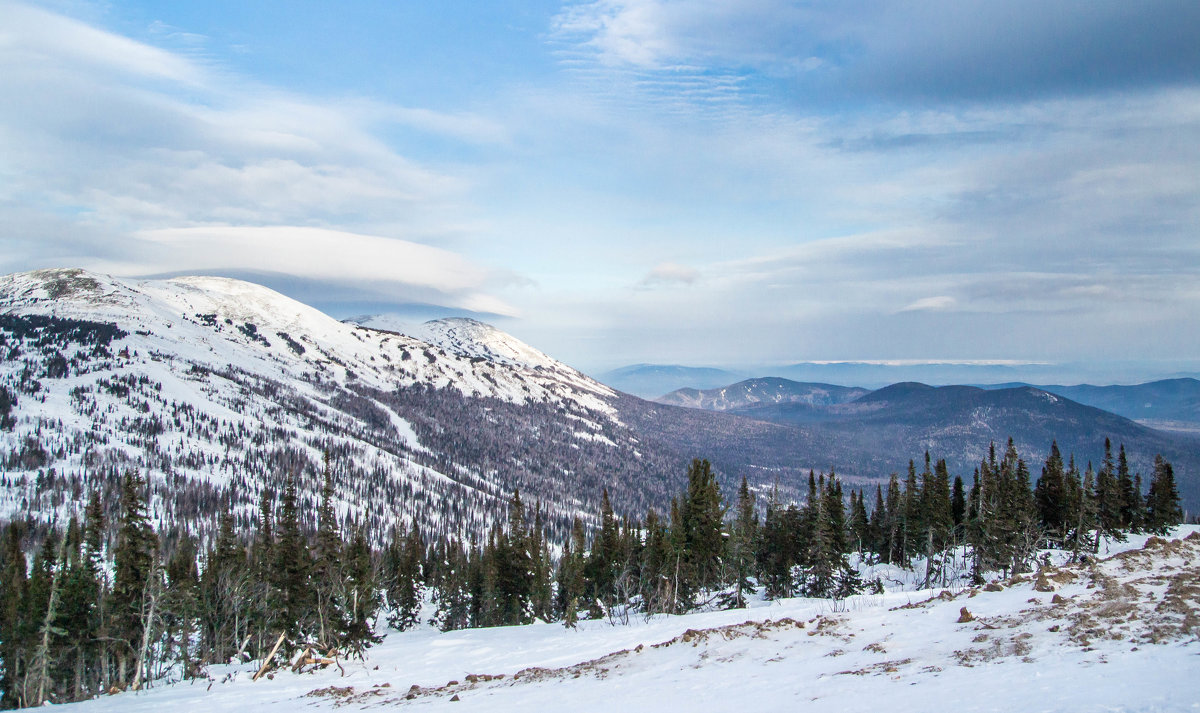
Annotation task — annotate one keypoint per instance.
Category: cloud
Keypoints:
(388, 267)
(118, 155)
(940, 50)
(668, 274)
(930, 304)
(35, 36)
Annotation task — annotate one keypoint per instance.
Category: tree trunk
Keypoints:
(147, 627)
(40, 666)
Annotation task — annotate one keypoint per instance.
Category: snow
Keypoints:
(475, 358)
(1021, 649)
(207, 343)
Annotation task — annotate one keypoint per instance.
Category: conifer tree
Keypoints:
(1131, 495)
(1053, 500)
(1085, 535)
(657, 595)
(404, 577)
(294, 602)
(328, 578)
(1162, 502)
(894, 523)
(1108, 497)
(181, 605)
(133, 568)
(958, 506)
(224, 592)
(363, 600)
(700, 523)
(777, 549)
(14, 613)
(878, 540)
(742, 544)
(859, 524)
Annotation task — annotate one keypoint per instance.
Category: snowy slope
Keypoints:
(1117, 635)
(502, 367)
(221, 386)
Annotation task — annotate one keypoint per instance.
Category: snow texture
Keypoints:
(1118, 634)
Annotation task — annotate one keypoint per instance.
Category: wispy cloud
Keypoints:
(668, 274)
(940, 302)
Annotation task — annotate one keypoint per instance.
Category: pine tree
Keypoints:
(776, 554)
(602, 560)
(878, 540)
(328, 579)
(958, 506)
(1053, 500)
(1163, 510)
(860, 524)
(133, 567)
(291, 572)
(1131, 496)
(572, 586)
(1086, 519)
(14, 614)
(181, 605)
(1108, 497)
(742, 544)
(911, 526)
(405, 578)
(363, 599)
(225, 594)
(700, 541)
(894, 522)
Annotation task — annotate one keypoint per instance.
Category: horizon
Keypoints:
(636, 181)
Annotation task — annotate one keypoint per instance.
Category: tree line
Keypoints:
(79, 617)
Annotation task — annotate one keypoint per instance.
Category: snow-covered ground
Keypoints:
(1121, 634)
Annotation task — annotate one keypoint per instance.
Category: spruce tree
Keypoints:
(1053, 499)
(743, 542)
(133, 567)
(15, 614)
(1163, 510)
(328, 578)
(1108, 497)
(292, 567)
(1131, 496)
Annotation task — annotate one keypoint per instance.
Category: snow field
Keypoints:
(1082, 647)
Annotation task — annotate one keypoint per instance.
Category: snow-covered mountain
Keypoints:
(762, 391)
(218, 388)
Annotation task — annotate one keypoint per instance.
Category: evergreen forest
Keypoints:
(94, 607)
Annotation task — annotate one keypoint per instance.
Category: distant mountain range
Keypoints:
(1170, 403)
(651, 380)
(761, 392)
(865, 436)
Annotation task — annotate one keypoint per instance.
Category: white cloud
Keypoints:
(317, 254)
(34, 36)
(170, 164)
(931, 304)
(670, 273)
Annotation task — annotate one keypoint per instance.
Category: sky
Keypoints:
(624, 181)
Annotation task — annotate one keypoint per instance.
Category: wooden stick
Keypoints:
(267, 660)
(242, 648)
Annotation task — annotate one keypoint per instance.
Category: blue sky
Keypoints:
(706, 183)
